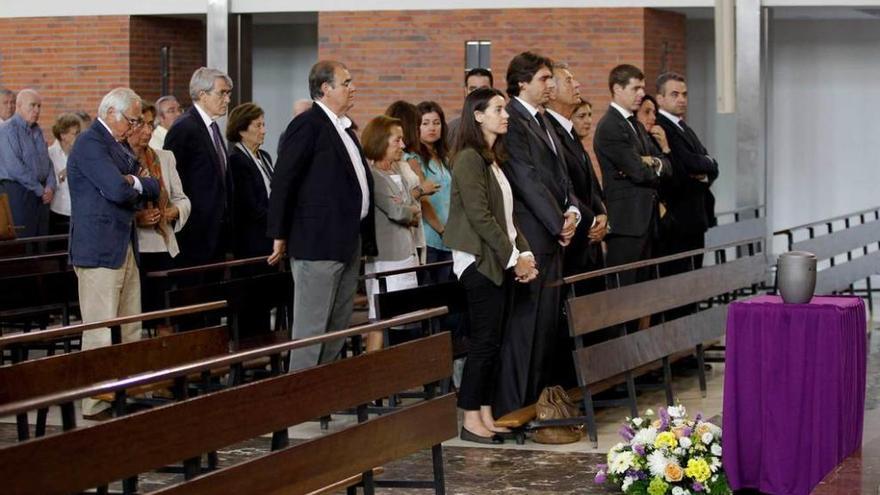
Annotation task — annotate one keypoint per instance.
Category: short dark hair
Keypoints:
(522, 69)
(652, 100)
(322, 72)
(441, 149)
(622, 74)
(662, 79)
(64, 123)
(479, 72)
(469, 133)
(374, 139)
(410, 120)
(240, 119)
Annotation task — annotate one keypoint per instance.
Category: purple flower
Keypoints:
(639, 449)
(600, 478)
(698, 417)
(688, 431)
(626, 432)
(697, 486)
(664, 419)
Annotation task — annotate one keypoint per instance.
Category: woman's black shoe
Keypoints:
(470, 436)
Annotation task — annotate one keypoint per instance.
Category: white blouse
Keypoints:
(460, 259)
(61, 200)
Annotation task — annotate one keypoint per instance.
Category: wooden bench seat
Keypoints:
(86, 457)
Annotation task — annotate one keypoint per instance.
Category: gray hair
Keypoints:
(26, 92)
(203, 80)
(119, 99)
(161, 101)
(323, 72)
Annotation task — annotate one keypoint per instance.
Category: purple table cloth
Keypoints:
(794, 391)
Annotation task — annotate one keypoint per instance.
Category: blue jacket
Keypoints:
(102, 203)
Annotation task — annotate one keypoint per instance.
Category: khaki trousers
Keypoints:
(106, 293)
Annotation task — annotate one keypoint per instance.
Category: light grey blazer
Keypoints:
(394, 236)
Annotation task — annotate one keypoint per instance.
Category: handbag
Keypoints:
(554, 403)
(7, 226)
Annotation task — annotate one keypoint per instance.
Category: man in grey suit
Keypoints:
(321, 209)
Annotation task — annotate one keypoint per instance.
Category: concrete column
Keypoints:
(218, 35)
(751, 170)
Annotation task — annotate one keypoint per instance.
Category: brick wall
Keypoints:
(187, 41)
(71, 61)
(419, 55)
(74, 61)
(665, 45)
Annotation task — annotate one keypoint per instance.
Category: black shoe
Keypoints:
(506, 435)
(470, 436)
(103, 415)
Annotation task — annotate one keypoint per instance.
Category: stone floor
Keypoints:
(566, 469)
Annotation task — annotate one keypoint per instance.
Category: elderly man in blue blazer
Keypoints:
(105, 193)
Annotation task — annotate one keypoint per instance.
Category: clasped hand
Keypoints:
(568, 228)
(525, 269)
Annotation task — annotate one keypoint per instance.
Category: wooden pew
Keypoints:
(618, 360)
(87, 457)
(24, 246)
(741, 224)
(53, 374)
(842, 245)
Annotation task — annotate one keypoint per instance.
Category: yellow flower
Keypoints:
(666, 439)
(698, 469)
(673, 472)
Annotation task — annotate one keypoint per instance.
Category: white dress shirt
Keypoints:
(461, 260)
(674, 118)
(341, 124)
(61, 200)
(137, 182)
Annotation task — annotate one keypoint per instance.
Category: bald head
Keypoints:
(28, 104)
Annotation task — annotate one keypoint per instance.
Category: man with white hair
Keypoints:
(197, 144)
(167, 112)
(26, 173)
(7, 104)
(105, 193)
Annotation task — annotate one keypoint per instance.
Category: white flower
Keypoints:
(685, 442)
(657, 463)
(645, 436)
(626, 483)
(676, 411)
(613, 452)
(621, 462)
(679, 451)
(714, 466)
(649, 412)
(707, 438)
(677, 490)
(716, 450)
(638, 422)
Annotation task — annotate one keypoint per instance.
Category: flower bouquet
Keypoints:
(671, 454)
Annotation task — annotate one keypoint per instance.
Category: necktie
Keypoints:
(540, 118)
(580, 145)
(639, 135)
(219, 148)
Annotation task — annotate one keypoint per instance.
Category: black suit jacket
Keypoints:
(208, 189)
(540, 183)
(690, 203)
(316, 198)
(630, 185)
(251, 205)
(585, 187)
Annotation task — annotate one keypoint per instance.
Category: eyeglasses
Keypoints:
(134, 123)
(225, 93)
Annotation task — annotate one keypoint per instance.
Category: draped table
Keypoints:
(794, 391)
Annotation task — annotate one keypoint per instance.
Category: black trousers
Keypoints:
(530, 343)
(623, 249)
(488, 307)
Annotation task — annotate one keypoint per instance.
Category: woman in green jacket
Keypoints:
(488, 252)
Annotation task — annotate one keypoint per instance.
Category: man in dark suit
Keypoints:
(585, 251)
(476, 78)
(631, 175)
(321, 210)
(690, 205)
(197, 144)
(546, 211)
(105, 193)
